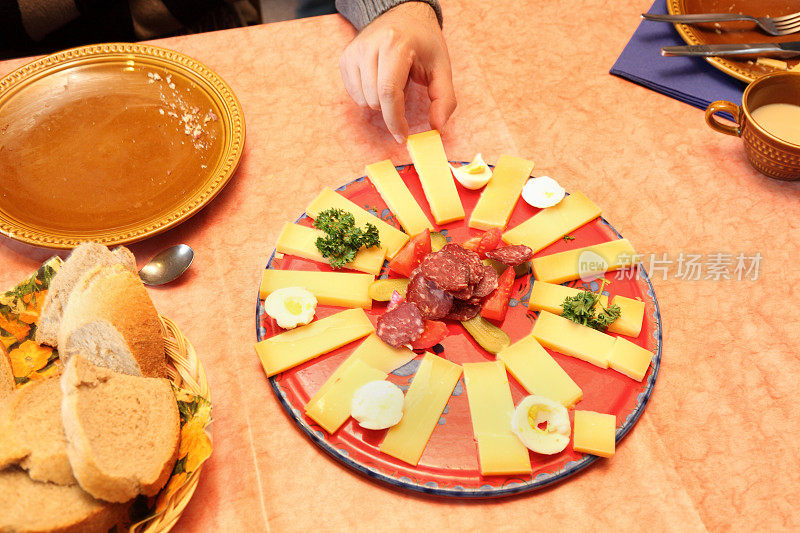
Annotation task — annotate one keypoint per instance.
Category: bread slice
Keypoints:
(123, 432)
(7, 383)
(85, 256)
(32, 506)
(31, 433)
(111, 320)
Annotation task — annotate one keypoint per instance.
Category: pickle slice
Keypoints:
(437, 241)
(522, 269)
(382, 289)
(490, 337)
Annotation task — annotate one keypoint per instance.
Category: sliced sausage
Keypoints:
(401, 325)
(462, 310)
(511, 255)
(450, 273)
(472, 259)
(432, 302)
(487, 284)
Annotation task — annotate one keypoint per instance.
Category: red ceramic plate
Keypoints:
(449, 466)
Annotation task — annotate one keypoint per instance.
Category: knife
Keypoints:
(790, 49)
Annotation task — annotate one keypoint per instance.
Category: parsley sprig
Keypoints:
(343, 239)
(581, 308)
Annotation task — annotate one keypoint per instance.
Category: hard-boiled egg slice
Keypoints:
(377, 405)
(535, 411)
(291, 306)
(474, 175)
(543, 192)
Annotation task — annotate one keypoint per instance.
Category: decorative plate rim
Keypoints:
(540, 481)
(690, 36)
(233, 120)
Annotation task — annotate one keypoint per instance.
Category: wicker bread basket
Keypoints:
(185, 372)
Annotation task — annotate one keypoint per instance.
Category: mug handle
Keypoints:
(713, 121)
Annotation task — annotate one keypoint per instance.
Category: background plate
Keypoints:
(734, 32)
(449, 465)
(112, 143)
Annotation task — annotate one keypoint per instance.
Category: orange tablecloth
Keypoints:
(717, 445)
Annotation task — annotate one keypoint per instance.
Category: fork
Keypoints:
(772, 25)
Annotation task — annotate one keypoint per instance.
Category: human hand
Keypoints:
(405, 43)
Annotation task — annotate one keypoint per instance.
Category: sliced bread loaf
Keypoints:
(83, 257)
(111, 320)
(31, 506)
(7, 384)
(31, 434)
(123, 432)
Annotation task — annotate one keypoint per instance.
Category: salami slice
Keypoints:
(450, 273)
(472, 259)
(487, 284)
(464, 294)
(462, 310)
(511, 255)
(432, 302)
(401, 325)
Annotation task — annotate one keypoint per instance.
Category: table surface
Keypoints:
(716, 447)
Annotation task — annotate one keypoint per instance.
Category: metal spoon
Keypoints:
(167, 265)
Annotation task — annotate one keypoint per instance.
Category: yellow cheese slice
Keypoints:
(549, 297)
(301, 241)
(583, 262)
(500, 195)
(629, 359)
(392, 239)
(594, 433)
(394, 192)
(296, 346)
(437, 181)
(491, 407)
(567, 337)
(631, 316)
(344, 289)
(425, 400)
(372, 360)
(539, 373)
(552, 223)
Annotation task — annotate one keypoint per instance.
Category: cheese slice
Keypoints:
(372, 360)
(549, 297)
(296, 346)
(631, 316)
(491, 407)
(394, 192)
(552, 223)
(343, 289)
(437, 181)
(425, 400)
(594, 433)
(538, 372)
(500, 195)
(584, 262)
(567, 337)
(629, 359)
(392, 239)
(301, 241)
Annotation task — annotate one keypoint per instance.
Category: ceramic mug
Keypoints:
(767, 153)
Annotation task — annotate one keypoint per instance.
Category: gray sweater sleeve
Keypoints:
(362, 12)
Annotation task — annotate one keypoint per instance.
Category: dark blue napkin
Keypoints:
(688, 79)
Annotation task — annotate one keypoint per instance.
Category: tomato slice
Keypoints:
(496, 304)
(489, 241)
(435, 331)
(410, 256)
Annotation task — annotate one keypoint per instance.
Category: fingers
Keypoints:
(351, 76)
(369, 78)
(441, 93)
(393, 69)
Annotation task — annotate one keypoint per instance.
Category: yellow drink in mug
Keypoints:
(768, 121)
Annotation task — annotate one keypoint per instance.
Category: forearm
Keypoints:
(362, 12)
